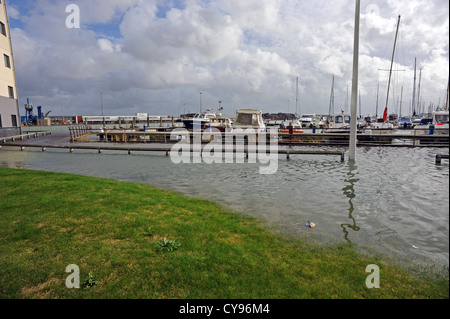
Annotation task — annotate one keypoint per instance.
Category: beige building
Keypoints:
(9, 105)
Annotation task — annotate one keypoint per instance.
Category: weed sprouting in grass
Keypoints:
(90, 281)
(168, 245)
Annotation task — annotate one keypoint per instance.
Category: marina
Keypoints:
(186, 172)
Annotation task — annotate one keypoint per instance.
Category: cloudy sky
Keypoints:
(157, 56)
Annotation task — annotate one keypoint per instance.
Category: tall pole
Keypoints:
(390, 70)
(446, 103)
(331, 107)
(200, 102)
(296, 100)
(352, 143)
(346, 102)
(360, 104)
(418, 89)
(101, 101)
(376, 107)
(414, 90)
(401, 102)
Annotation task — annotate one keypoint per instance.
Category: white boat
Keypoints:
(294, 124)
(249, 118)
(199, 120)
(440, 119)
(338, 122)
(381, 125)
(221, 123)
(307, 120)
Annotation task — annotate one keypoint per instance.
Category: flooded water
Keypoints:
(393, 200)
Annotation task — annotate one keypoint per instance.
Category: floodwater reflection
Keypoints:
(349, 192)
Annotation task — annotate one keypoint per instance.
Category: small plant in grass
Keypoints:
(168, 245)
(90, 281)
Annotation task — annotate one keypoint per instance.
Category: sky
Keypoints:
(167, 57)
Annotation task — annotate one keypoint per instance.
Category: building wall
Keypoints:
(9, 108)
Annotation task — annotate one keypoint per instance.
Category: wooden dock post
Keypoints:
(438, 159)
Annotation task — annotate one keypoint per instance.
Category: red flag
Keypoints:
(385, 115)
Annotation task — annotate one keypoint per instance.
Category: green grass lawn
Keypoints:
(112, 229)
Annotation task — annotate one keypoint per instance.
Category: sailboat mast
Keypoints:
(296, 99)
(331, 107)
(401, 101)
(418, 90)
(359, 104)
(413, 106)
(346, 102)
(392, 62)
(446, 103)
(332, 95)
(376, 107)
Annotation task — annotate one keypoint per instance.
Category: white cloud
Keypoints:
(241, 52)
(13, 13)
(107, 46)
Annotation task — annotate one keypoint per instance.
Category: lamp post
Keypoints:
(101, 101)
(101, 105)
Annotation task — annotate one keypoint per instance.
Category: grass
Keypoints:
(111, 230)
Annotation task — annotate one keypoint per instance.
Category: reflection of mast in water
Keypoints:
(349, 192)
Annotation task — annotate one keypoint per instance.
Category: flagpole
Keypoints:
(352, 143)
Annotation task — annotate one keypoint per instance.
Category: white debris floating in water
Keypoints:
(310, 224)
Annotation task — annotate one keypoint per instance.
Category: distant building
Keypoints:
(9, 104)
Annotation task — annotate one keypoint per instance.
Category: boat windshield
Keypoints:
(204, 116)
(248, 119)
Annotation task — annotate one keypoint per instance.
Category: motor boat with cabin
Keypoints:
(249, 119)
(199, 120)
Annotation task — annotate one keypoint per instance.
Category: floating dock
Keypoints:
(167, 150)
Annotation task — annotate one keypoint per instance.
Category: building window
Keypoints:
(11, 92)
(14, 120)
(3, 28)
(7, 61)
